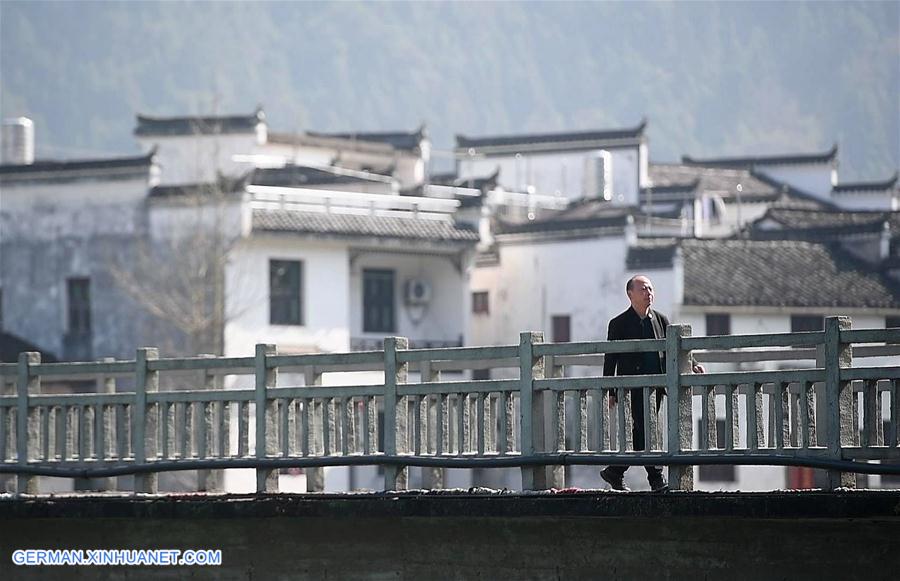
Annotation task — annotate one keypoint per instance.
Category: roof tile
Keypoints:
(781, 274)
(355, 225)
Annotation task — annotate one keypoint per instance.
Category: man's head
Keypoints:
(640, 292)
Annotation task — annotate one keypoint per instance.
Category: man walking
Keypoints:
(639, 321)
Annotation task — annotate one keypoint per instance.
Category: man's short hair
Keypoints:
(630, 284)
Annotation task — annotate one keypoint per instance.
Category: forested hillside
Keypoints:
(713, 78)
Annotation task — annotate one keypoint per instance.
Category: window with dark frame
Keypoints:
(718, 324)
(79, 303)
(286, 292)
(378, 301)
(717, 472)
(480, 303)
(891, 322)
(562, 328)
(801, 323)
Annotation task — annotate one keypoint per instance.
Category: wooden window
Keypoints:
(79, 300)
(285, 292)
(718, 324)
(800, 323)
(562, 328)
(480, 303)
(717, 472)
(378, 301)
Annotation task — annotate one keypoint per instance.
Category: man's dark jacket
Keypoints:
(628, 326)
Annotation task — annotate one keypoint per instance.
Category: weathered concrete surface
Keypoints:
(597, 535)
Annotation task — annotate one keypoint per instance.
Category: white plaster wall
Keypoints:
(299, 155)
(584, 279)
(484, 327)
(812, 178)
(168, 219)
(187, 159)
(763, 322)
(326, 296)
(443, 319)
(883, 200)
(47, 223)
(51, 232)
(409, 170)
(562, 173)
(74, 193)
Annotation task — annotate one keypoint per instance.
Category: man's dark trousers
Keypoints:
(629, 325)
(637, 432)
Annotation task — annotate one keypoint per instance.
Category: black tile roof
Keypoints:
(674, 188)
(199, 125)
(818, 223)
(300, 175)
(679, 182)
(329, 142)
(354, 225)
(551, 141)
(876, 186)
(41, 166)
(580, 215)
(750, 162)
(397, 139)
(781, 274)
(71, 169)
(224, 186)
(478, 183)
(443, 179)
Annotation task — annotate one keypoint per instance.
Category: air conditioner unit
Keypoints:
(417, 291)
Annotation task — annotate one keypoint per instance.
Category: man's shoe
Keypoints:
(615, 481)
(658, 485)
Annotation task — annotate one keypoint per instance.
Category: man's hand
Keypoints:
(699, 368)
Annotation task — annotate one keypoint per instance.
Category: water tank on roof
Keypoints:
(598, 175)
(17, 141)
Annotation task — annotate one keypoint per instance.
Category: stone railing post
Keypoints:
(103, 426)
(395, 412)
(531, 412)
(432, 477)
(554, 406)
(315, 476)
(208, 480)
(679, 412)
(26, 425)
(144, 425)
(839, 399)
(266, 416)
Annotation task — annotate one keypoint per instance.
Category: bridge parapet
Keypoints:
(539, 422)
